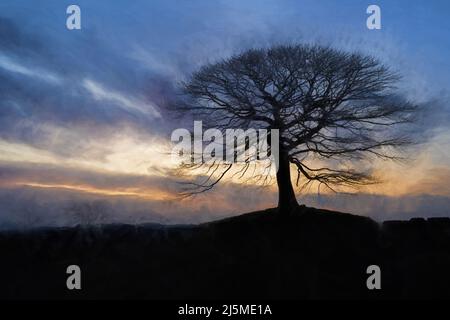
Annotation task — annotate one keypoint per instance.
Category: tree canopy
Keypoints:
(329, 106)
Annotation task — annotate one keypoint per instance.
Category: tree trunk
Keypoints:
(286, 195)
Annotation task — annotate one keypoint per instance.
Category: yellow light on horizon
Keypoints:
(152, 194)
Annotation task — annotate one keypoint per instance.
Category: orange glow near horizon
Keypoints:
(129, 156)
(127, 192)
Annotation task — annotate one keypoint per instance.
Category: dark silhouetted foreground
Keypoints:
(310, 254)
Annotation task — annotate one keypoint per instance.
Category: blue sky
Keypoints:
(92, 100)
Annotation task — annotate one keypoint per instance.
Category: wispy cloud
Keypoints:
(67, 141)
(155, 64)
(100, 92)
(10, 65)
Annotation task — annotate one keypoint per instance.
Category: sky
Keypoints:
(83, 116)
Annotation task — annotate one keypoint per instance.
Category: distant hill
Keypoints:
(311, 254)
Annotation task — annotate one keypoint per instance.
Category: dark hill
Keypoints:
(310, 254)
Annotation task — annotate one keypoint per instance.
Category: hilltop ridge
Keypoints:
(310, 254)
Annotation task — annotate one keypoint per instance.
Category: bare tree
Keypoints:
(89, 213)
(329, 107)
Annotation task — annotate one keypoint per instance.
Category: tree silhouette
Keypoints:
(331, 108)
(89, 213)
